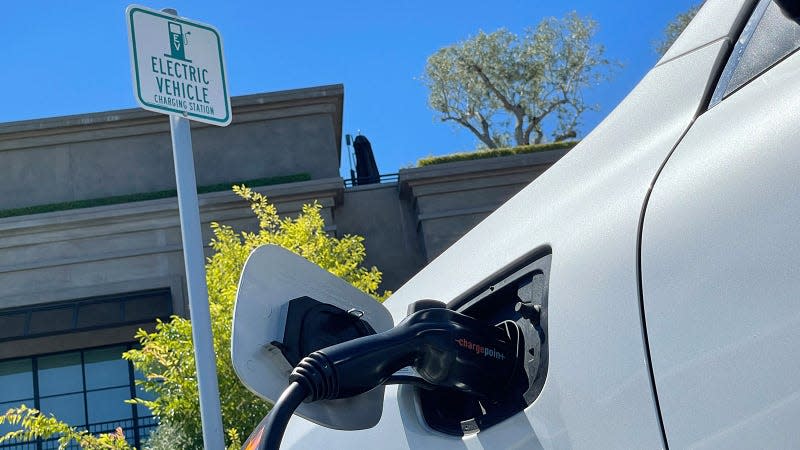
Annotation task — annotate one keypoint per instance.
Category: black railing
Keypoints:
(135, 435)
(384, 178)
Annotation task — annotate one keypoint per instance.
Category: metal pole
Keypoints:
(193, 259)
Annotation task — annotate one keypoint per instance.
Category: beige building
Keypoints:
(90, 246)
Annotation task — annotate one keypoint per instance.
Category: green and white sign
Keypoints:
(177, 66)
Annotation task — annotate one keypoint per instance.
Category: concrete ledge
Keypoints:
(477, 168)
(123, 152)
(76, 128)
(109, 249)
(449, 199)
(112, 214)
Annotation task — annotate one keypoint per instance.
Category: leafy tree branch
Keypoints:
(501, 85)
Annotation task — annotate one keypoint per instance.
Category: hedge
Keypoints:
(495, 152)
(128, 198)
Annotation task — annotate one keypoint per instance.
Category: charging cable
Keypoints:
(447, 349)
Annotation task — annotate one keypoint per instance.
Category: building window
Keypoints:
(88, 314)
(85, 388)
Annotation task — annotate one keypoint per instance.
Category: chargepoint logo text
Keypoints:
(480, 349)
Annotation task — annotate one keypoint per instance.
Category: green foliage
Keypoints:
(167, 357)
(505, 87)
(118, 199)
(170, 437)
(166, 437)
(35, 425)
(675, 28)
(495, 152)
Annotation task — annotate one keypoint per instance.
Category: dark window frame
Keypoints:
(140, 425)
(722, 89)
(74, 307)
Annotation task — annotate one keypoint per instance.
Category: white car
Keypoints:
(661, 255)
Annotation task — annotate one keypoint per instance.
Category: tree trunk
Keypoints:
(519, 134)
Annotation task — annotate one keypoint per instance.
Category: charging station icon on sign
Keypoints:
(178, 42)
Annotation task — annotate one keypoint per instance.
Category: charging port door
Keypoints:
(272, 278)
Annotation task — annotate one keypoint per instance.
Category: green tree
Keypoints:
(501, 86)
(166, 356)
(675, 28)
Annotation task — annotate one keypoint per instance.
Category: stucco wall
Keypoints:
(388, 225)
(450, 199)
(105, 250)
(129, 151)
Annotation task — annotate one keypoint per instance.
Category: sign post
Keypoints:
(178, 69)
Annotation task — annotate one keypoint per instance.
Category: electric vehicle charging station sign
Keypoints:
(178, 69)
(177, 66)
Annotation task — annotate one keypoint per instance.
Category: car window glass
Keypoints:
(767, 38)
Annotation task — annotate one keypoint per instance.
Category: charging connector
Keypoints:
(447, 349)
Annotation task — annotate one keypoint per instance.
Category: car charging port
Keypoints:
(516, 300)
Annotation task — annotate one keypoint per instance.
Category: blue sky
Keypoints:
(62, 58)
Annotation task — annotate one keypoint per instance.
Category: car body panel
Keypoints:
(586, 208)
(717, 19)
(720, 272)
